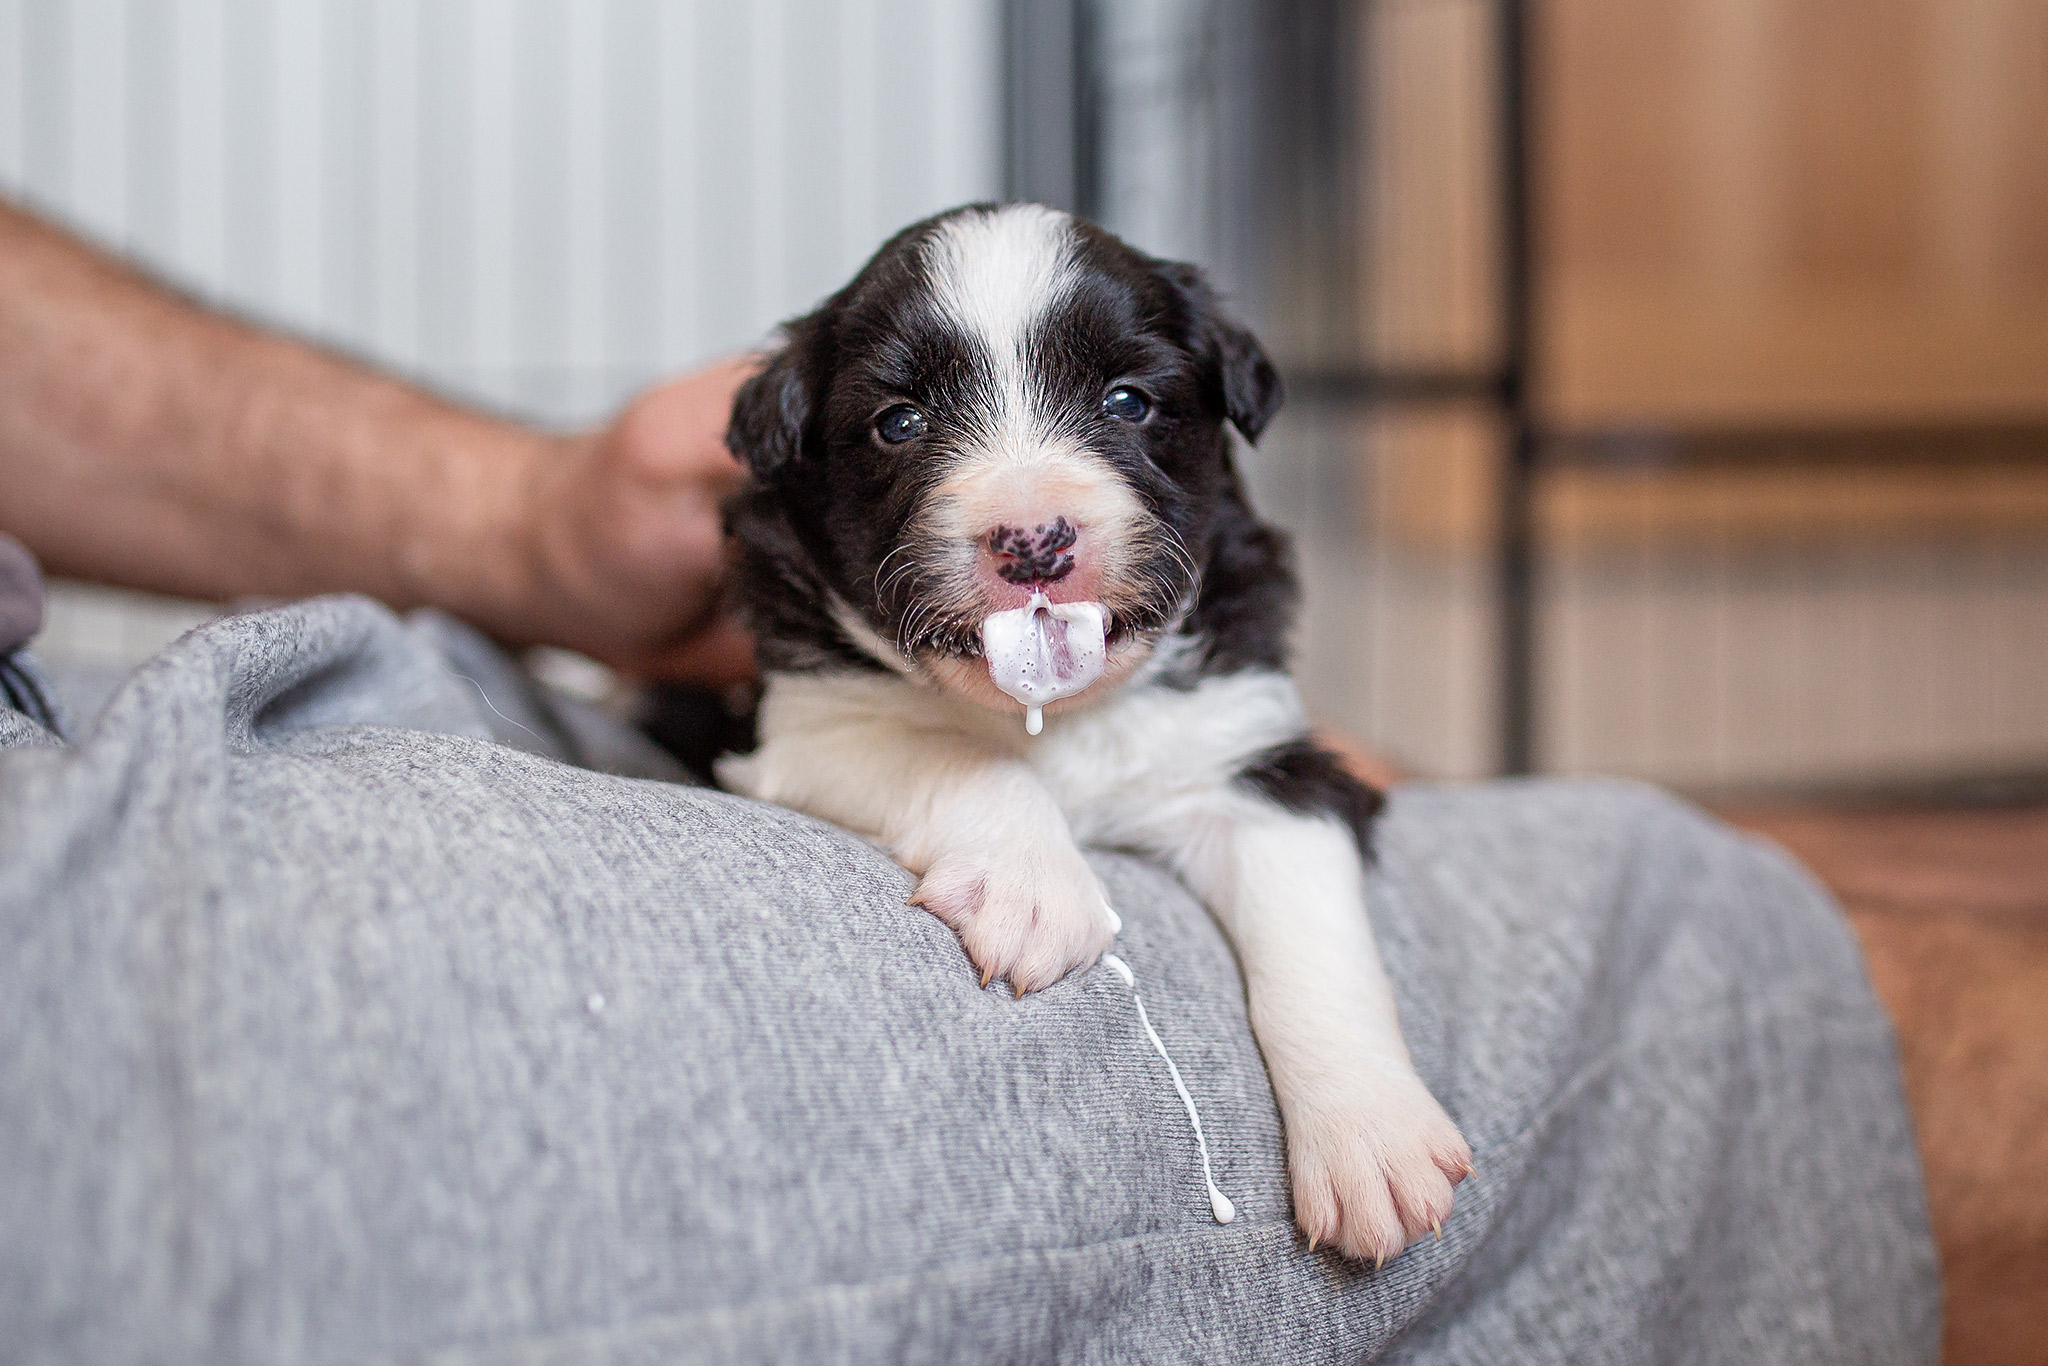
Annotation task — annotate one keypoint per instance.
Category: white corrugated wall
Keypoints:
(541, 203)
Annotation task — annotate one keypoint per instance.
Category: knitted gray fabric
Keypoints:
(334, 1030)
(21, 596)
(22, 687)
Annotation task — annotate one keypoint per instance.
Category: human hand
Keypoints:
(624, 521)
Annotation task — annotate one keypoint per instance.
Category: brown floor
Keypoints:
(1952, 906)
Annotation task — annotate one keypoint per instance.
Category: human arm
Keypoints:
(149, 442)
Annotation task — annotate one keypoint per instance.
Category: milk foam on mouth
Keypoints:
(1043, 651)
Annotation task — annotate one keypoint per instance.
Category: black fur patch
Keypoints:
(783, 599)
(1245, 613)
(1308, 780)
(696, 724)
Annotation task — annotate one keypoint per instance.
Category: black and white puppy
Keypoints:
(1007, 403)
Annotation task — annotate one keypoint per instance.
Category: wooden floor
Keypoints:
(1952, 906)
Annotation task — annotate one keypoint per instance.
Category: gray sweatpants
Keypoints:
(340, 1020)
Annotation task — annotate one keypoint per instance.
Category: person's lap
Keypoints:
(332, 1030)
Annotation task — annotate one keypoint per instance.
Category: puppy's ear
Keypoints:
(1252, 391)
(772, 410)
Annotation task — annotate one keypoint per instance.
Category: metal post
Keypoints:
(1518, 560)
(1049, 104)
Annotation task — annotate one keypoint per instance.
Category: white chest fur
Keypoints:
(1120, 770)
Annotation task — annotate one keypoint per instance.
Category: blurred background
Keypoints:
(1669, 380)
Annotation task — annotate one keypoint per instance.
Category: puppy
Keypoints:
(993, 473)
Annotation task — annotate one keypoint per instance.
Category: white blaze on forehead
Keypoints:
(994, 274)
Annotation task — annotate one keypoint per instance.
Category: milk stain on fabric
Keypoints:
(1219, 1203)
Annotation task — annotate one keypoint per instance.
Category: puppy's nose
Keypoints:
(1042, 554)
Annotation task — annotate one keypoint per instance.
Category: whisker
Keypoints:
(907, 630)
(885, 580)
(890, 596)
(1178, 548)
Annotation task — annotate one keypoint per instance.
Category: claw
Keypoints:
(1438, 1225)
(1379, 1261)
(1312, 1241)
(987, 976)
(916, 898)
(1018, 990)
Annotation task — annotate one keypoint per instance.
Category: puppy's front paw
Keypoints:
(1373, 1167)
(1030, 913)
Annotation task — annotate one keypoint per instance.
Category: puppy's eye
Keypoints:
(1127, 404)
(900, 424)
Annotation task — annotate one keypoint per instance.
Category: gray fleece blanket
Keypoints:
(348, 1013)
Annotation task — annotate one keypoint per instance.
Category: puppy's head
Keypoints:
(1004, 401)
